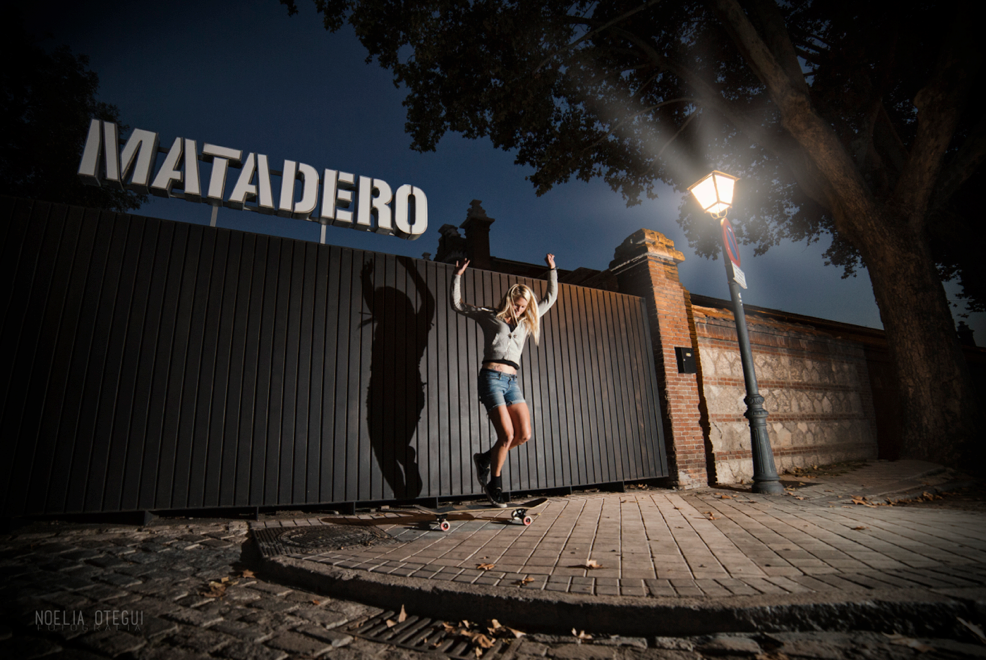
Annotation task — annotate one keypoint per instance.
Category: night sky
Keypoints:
(244, 75)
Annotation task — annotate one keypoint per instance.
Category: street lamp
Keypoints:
(714, 193)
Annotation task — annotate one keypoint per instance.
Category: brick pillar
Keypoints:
(646, 265)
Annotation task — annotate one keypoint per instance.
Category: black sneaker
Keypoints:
(495, 496)
(482, 463)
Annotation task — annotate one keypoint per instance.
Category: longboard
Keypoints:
(519, 513)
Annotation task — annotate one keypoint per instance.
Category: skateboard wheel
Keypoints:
(528, 520)
(444, 526)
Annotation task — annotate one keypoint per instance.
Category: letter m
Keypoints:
(139, 154)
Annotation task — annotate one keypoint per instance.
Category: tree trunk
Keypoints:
(938, 404)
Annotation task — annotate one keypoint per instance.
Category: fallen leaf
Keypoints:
(217, 589)
(860, 500)
(798, 497)
(711, 515)
(859, 528)
(726, 497)
(580, 635)
(390, 623)
(976, 630)
(590, 564)
(316, 601)
(479, 639)
(247, 573)
(486, 567)
(402, 617)
(521, 583)
(902, 640)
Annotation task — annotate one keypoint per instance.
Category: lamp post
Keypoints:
(714, 194)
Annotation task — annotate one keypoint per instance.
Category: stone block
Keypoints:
(200, 641)
(298, 644)
(246, 651)
(112, 642)
(333, 637)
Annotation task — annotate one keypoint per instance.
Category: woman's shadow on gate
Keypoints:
(396, 394)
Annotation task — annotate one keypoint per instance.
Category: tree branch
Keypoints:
(594, 31)
(848, 196)
(779, 42)
(971, 155)
(635, 115)
(939, 106)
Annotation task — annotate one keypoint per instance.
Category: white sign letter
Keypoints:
(193, 189)
(221, 158)
(368, 203)
(309, 192)
(380, 203)
(266, 203)
(401, 212)
(287, 188)
(89, 166)
(141, 152)
(169, 172)
(243, 188)
(344, 200)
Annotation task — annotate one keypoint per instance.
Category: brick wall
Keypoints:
(646, 265)
(815, 386)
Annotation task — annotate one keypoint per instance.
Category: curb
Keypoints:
(905, 611)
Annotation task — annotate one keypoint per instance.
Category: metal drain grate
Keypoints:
(427, 636)
(274, 541)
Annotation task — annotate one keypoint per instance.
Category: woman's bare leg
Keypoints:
(504, 426)
(520, 416)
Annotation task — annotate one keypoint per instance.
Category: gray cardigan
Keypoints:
(502, 342)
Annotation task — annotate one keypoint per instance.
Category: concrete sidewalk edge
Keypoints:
(912, 612)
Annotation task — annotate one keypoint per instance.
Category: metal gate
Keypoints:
(153, 365)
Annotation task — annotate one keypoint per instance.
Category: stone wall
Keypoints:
(815, 386)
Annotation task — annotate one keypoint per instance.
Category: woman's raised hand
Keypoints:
(460, 269)
(550, 260)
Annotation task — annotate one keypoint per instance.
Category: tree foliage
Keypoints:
(859, 120)
(636, 92)
(47, 100)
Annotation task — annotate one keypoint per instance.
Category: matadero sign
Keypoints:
(346, 200)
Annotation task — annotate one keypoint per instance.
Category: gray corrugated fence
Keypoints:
(151, 365)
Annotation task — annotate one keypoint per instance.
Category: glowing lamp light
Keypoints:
(714, 193)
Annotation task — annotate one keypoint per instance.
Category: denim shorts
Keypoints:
(498, 389)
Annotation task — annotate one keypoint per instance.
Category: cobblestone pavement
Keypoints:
(184, 588)
(824, 538)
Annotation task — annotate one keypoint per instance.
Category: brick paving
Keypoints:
(105, 591)
(113, 591)
(709, 543)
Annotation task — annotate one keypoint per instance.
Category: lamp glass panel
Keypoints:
(725, 186)
(705, 193)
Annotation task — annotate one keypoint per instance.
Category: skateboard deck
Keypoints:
(518, 511)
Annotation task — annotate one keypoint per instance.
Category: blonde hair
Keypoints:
(530, 316)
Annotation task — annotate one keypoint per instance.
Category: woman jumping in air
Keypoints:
(505, 331)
